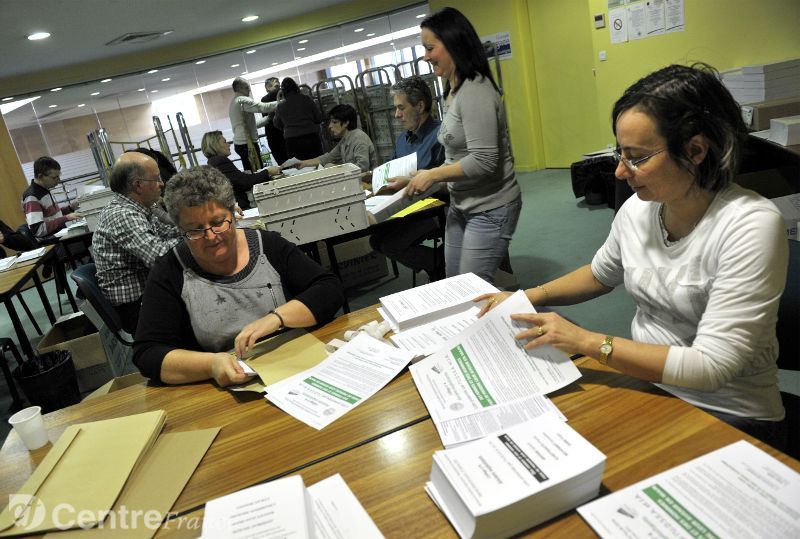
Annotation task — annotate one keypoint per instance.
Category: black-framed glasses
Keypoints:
(633, 164)
(198, 233)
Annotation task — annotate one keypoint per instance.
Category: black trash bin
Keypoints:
(49, 380)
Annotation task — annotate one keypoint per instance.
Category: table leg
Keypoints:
(62, 274)
(335, 267)
(24, 343)
(45, 300)
(12, 388)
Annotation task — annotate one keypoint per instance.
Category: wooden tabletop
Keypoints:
(12, 280)
(641, 430)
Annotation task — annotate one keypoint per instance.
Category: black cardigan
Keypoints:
(241, 182)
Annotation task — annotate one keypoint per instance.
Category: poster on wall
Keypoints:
(654, 10)
(637, 22)
(675, 21)
(616, 3)
(502, 44)
(618, 25)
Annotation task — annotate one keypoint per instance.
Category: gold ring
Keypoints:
(541, 331)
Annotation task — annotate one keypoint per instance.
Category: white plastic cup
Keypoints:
(29, 425)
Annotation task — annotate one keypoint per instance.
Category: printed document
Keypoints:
(428, 338)
(30, 255)
(348, 377)
(485, 366)
(402, 166)
(433, 301)
(736, 491)
(338, 513)
(273, 510)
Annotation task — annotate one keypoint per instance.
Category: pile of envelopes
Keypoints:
(97, 471)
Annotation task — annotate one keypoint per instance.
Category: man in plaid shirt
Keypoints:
(131, 234)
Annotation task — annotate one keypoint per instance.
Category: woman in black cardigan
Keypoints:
(217, 150)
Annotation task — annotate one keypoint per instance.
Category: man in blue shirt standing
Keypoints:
(403, 240)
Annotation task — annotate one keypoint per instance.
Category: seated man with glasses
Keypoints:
(43, 215)
(222, 288)
(132, 232)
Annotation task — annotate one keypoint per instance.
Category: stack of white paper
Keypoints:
(285, 508)
(6, 263)
(501, 485)
(433, 301)
(736, 491)
(483, 379)
(30, 255)
(751, 84)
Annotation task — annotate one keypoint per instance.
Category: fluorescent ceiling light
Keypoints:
(234, 65)
(52, 106)
(167, 32)
(274, 63)
(140, 90)
(358, 30)
(56, 89)
(82, 105)
(39, 35)
(303, 41)
(7, 98)
(165, 79)
(152, 71)
(301, 48)
(249, 18)
(200, 62)
(371, 34)
(95, 93)
(5, 109)
(251, 51)
(106, 80)
(153, 91)
(421, 15)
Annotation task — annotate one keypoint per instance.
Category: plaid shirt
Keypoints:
(128, 240)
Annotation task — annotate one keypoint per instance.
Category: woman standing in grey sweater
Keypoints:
(478, 168)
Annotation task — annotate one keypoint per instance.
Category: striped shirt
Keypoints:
(43, 215)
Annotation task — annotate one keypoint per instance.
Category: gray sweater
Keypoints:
(474, 133)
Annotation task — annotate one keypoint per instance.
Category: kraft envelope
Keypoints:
(285, 355)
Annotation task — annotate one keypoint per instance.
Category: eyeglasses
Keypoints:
(199, 233)
(146, 180)
(633, 164)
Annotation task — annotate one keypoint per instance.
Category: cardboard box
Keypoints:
(761, 113)
(74, 332)
(358, 263)
(115, 384)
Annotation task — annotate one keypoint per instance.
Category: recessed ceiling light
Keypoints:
(244, 72)
(56, 89)
(358, 30)
(39, 35)
(249, 18)
(371, 34)
(153, 91)
(234, 65)
(421, 16)
(106, 80)
(301, 48)
(303, 41)
(167, 32)
(82, 105)
(140, 90)
(199, 62)
(7, 98)
(274, 63)
(251, 51)
(95, 93)
(165, 79)
(152, 71)
(52, 106)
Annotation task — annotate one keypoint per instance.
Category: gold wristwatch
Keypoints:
(605, 349)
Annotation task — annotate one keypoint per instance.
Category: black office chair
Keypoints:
(85, 277)
(787, 330)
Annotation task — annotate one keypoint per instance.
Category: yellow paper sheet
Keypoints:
(416, 206)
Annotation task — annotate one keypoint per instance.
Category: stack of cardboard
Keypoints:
(98, 474)
(762, 82)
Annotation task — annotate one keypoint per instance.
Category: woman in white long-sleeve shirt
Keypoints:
(485, 198)
(704, 259)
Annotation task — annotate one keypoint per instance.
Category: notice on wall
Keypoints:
(674, 15)
(502, 44)
(654, 11)
(618, 24)
(637, 22)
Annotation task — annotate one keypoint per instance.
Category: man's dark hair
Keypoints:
(685, 101)
(43, 165)
(346, 114)
(461, 40)
(289, 86)
(415, 89)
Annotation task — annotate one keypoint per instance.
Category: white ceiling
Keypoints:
(80, 29)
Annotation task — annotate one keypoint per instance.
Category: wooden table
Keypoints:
(383, 448)
(12, 282)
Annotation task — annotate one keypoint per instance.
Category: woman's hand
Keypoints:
(226, 371)
(421, 181)
(273, 170)
(552, 329)
(492, 301)
(253, 331)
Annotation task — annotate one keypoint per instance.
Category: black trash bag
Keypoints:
(49, 380)
(591, 179)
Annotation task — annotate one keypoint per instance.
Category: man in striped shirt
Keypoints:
(42, 213)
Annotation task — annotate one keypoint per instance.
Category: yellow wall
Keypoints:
(12, 181)
(723, 33)
(519, 76)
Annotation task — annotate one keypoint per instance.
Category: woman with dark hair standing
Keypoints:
(300, 118)
(704, 259)
(478, 168)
